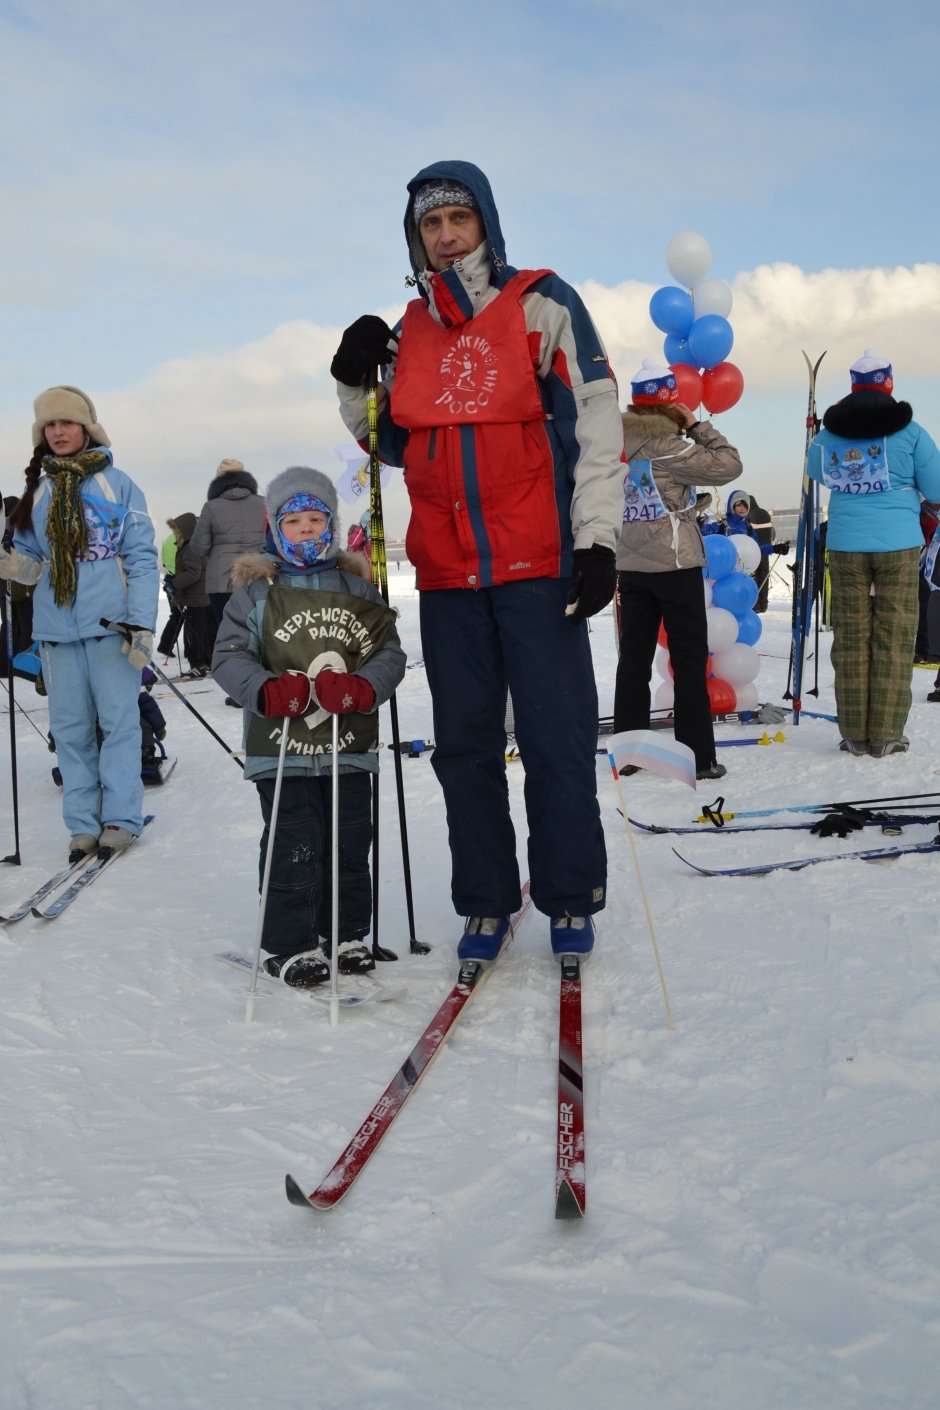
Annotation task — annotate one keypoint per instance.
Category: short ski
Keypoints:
(322, 992)
(339, 1180)
(570, 1187)
(24, 908)
(880, 854)
(86, 876)
(890, 822)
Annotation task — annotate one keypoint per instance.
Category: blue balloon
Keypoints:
(720, 558)
(677, 350)
(749, 628)
(710, 340)
(735, 591)
(672, 310)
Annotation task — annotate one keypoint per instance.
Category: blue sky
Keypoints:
(197, 198)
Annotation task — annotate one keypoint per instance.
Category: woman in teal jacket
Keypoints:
(877, 464)
(83, 536)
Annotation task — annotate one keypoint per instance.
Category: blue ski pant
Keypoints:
(87, 682)
(299, 908)
(477, 644)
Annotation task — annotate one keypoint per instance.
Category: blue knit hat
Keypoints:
(653, 385)
(871, 373)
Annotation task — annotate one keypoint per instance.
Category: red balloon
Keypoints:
(661, 636)
(722, 387)
(721, 694)
(689, 383)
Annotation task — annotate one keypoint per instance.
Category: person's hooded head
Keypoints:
(303, 524)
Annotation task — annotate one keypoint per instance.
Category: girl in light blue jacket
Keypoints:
(83, 536)
(877, 464)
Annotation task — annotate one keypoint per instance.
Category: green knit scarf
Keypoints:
(65, 521)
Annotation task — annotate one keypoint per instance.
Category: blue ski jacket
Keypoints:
(120, 577)
(874, 505)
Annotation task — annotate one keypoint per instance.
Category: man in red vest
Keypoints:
(498, 400)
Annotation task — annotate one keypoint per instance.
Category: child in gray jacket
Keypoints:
(306, 636)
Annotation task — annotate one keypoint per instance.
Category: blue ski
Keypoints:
(878, 854)
(86, 876)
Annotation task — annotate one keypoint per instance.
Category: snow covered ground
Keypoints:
(762, 1229)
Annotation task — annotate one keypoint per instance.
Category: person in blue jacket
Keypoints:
(83, 536)
(737, 521)
(877, 464)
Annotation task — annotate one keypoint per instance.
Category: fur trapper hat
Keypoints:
(302, 479)
(225, 466)
(67, 404)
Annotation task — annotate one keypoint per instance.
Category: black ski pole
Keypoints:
(122, 629)
(804, 577)
(14, 857)
(379, 565)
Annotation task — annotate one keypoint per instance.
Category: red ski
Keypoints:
(570, 1188)
(366, 1140)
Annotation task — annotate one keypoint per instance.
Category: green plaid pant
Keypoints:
(874, 623)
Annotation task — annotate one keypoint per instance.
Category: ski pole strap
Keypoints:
(712, 812)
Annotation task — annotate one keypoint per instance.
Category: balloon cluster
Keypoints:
(734, 628)
(695, 321)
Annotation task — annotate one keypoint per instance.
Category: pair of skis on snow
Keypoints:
(76, 877)
(839, 819)
(570, 1189)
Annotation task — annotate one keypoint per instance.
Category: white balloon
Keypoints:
(665, 696)
(746, 697)
(688, 258)
(709, 585)
(738, 665)
(722, 628)
(748, 551)
(712, 296)
(661, 662)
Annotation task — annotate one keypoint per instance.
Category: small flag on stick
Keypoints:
(353, 481)
(648, 749)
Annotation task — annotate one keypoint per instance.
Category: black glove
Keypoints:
(840, 824)
(364, 344)
(781, 547)
(168, 587)
(592, 582)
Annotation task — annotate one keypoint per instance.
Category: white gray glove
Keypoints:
(17, 568)
(138, 647)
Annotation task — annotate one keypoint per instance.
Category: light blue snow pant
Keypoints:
(88, 681)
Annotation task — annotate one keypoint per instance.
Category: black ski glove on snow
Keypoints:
(840, 824)
(363, 345)
(592, 582)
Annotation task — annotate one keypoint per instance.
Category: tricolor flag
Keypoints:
(353, 481)
(648, 749)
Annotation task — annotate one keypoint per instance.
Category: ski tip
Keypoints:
(567, 1204)
(294, 1193)
(315, 1201)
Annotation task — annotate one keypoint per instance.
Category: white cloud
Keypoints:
(271, 402)
(779, 310)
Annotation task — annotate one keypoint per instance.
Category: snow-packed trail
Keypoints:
(762, 1225)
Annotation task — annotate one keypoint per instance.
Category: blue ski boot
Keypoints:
(484, 938)
(572, 935)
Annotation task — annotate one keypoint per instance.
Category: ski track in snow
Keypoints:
(762, 1228)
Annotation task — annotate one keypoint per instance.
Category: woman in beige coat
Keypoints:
(660, 556)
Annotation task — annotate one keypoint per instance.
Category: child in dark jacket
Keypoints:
(306, 636)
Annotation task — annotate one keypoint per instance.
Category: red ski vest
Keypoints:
(478, 463)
